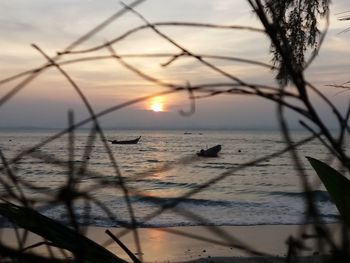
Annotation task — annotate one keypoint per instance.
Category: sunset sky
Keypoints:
(54, 24)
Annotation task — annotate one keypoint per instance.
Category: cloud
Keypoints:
(56, 23)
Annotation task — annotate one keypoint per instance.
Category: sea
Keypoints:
(164, 183)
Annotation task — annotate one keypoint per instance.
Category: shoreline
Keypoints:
(169, 245)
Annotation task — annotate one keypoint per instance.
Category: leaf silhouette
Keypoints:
(58, 234)
(337, 185)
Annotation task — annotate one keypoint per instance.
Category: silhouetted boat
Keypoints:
(134, 141)
(211, 152)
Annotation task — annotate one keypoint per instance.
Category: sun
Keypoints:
(157, 106)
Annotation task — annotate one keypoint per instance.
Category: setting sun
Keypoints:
(157, 106)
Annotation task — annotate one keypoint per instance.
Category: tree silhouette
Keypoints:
(296, 25)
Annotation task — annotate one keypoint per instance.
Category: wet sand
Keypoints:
(242, 244)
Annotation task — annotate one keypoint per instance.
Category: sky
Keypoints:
(54, 24)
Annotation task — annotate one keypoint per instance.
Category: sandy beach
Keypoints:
(170, 244)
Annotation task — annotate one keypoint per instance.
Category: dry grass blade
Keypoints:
(73, 192)
(125, 248)
(79, 41)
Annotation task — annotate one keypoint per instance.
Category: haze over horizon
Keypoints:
(55, 24)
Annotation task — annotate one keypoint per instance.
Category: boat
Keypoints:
(134, 141)
(211, 152)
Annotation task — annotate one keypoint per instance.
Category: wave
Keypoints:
(152, 161)
(331, 216)
(319, 195)
(166, 184)
(214, 167)
(179, 200)
(211, 212)
(149, 149)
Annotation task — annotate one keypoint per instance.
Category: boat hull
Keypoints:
(135, 141)
(211, 152)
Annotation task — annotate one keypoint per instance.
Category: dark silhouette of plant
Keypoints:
(291, 26)
(296, 26)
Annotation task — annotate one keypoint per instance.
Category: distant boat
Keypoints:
(134, 141)
(211, 152)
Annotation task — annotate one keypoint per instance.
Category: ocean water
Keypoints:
(163, 169)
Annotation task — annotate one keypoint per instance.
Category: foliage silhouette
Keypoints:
(291, 26)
